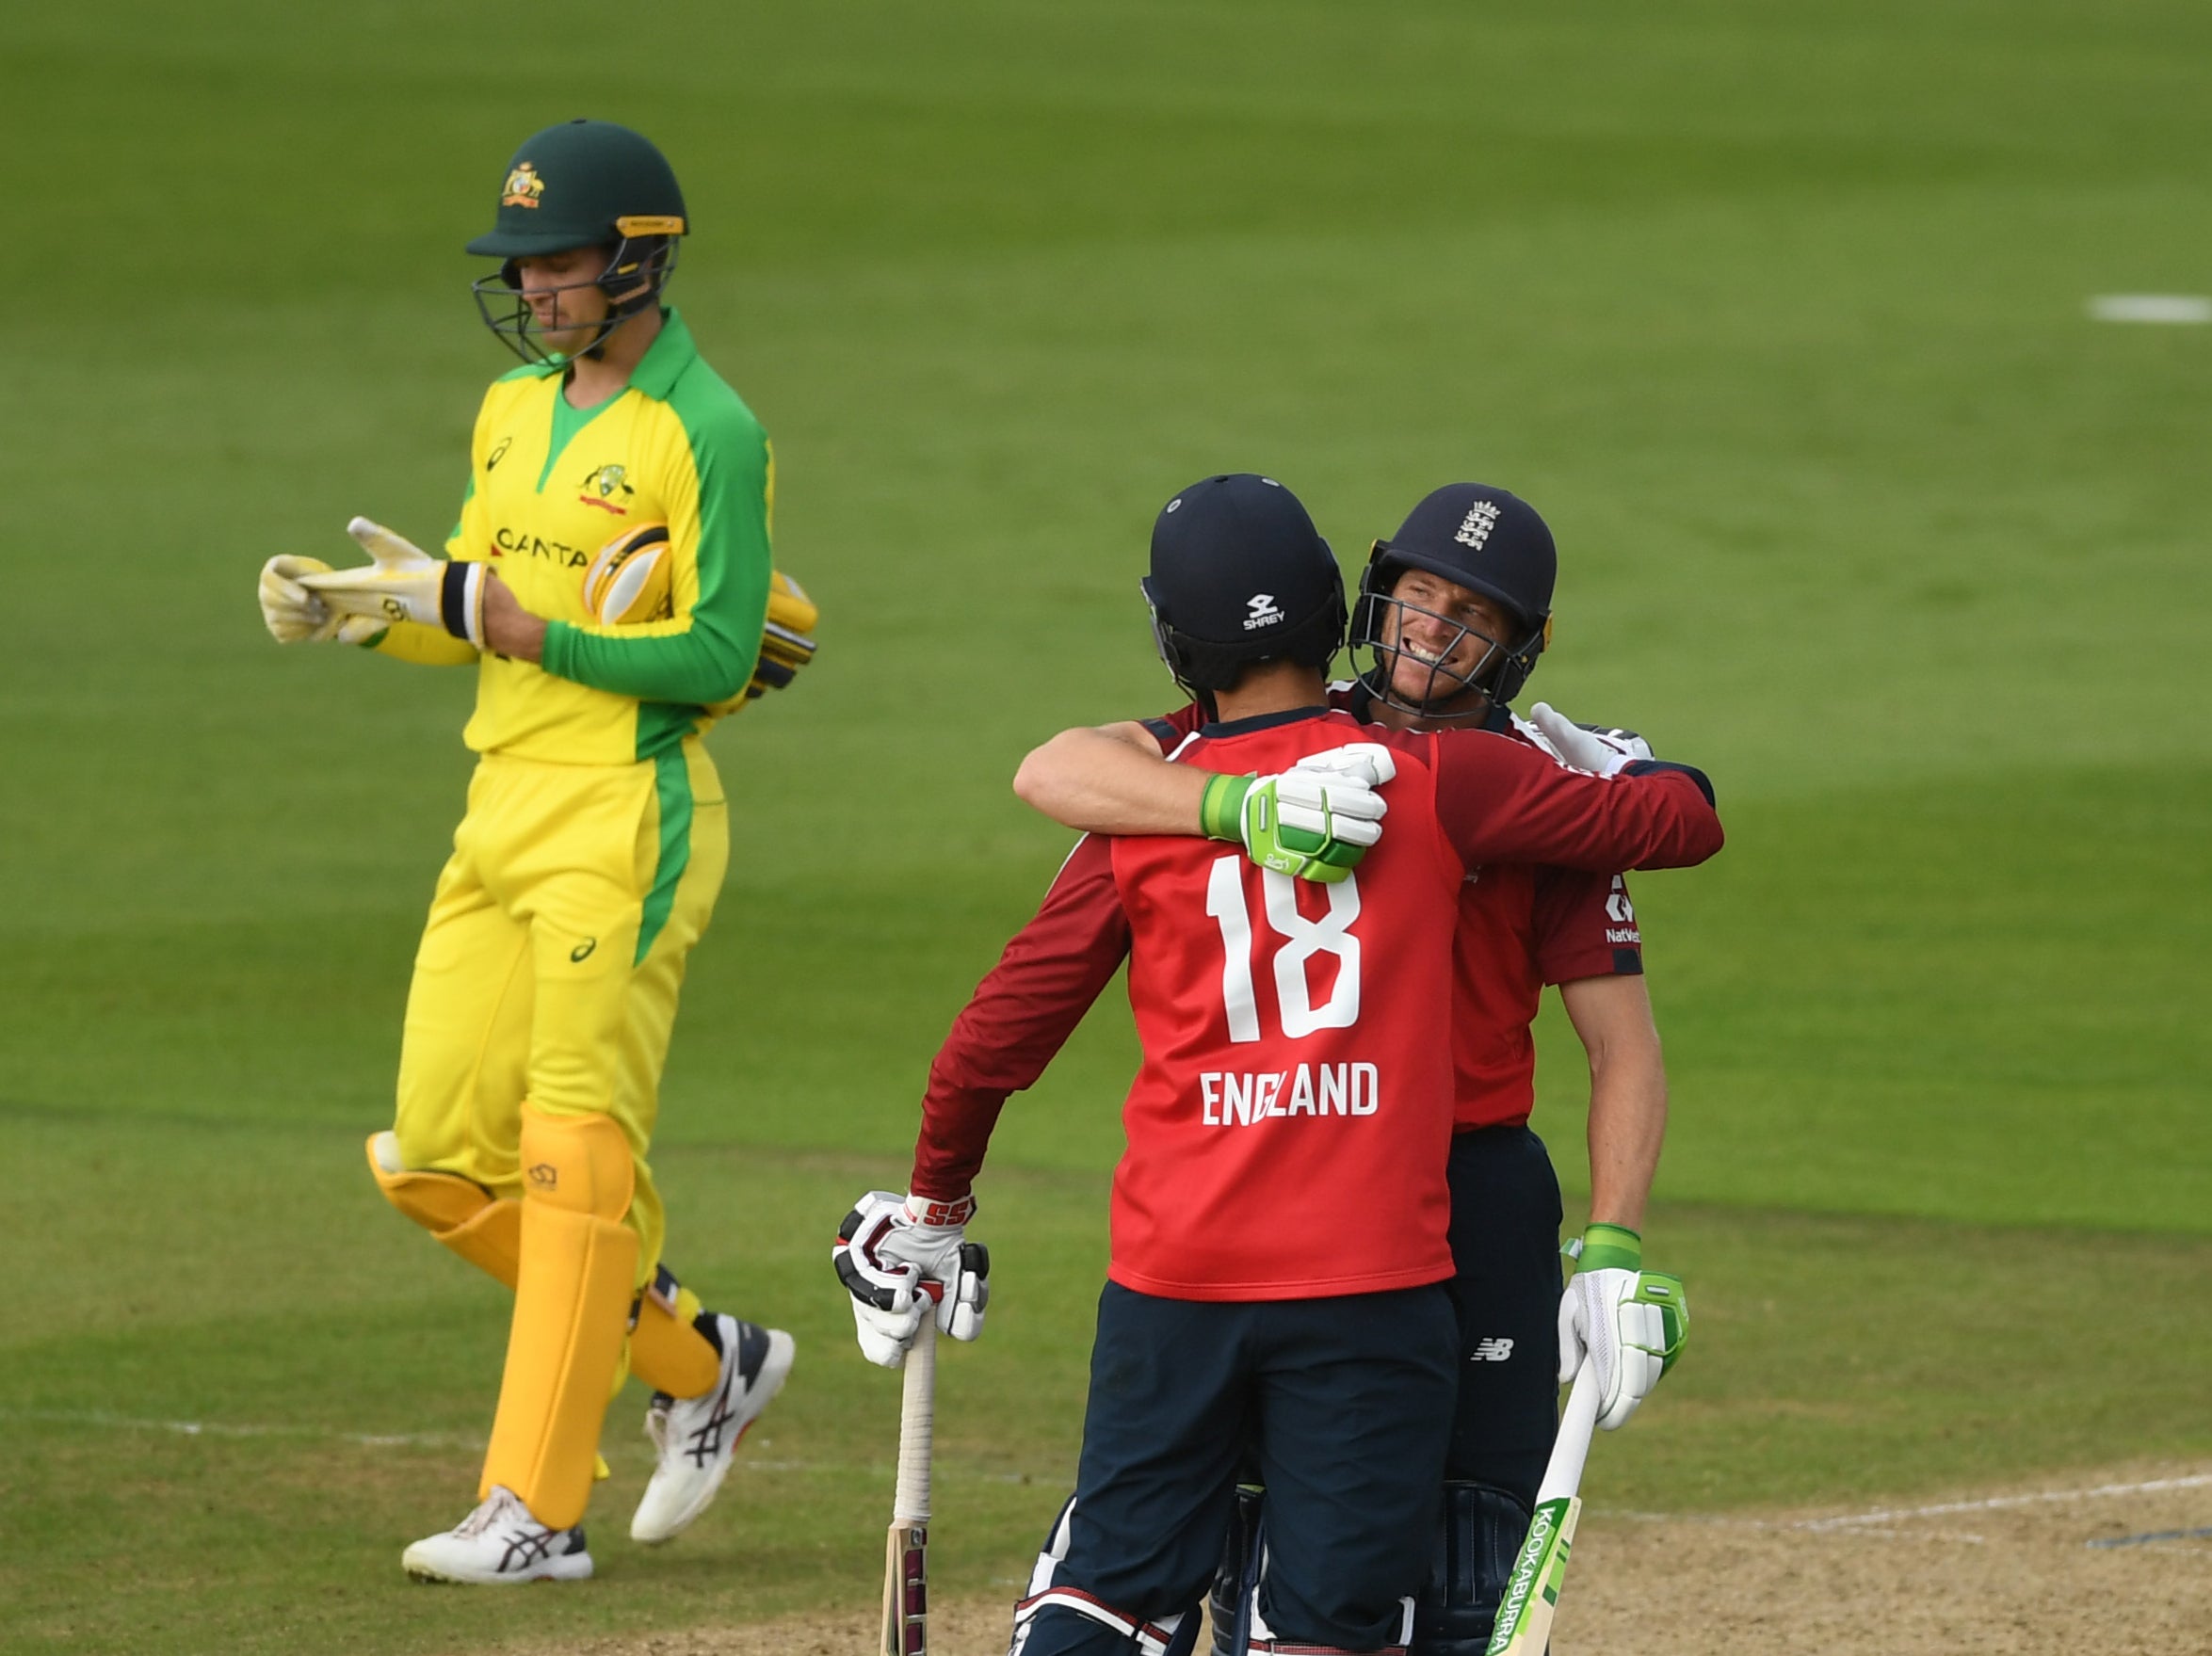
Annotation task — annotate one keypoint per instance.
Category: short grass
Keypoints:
(1778, 316)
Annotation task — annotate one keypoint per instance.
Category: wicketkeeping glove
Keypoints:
(903, 1258)
(1314, 820)
(403, 583)
(786, 643)
(1633, 1323)
(1600, 749)
(294, 614)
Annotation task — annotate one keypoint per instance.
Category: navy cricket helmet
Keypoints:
(1487, 539)
(1241, 575)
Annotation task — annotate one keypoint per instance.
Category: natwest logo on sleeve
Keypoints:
(1229, 1098)
(1622, 912)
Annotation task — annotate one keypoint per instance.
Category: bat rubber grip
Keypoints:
(1577, 1422)
(917, 1419)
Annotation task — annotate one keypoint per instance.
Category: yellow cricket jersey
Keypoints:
(549, 486)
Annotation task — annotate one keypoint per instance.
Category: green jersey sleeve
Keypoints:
(719, 512)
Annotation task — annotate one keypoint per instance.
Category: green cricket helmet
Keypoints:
(583, 184)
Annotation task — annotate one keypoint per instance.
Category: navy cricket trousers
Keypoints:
(1347, 1405)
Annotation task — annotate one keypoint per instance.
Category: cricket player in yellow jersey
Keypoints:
(610, 581)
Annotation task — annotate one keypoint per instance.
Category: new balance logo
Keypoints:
(1264, 613)
(1481, 519)
(1491, 1351)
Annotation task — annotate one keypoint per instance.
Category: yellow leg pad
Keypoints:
(463, 1214)
(571, 1305)
(667, 1352)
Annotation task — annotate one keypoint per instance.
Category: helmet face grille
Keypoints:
(634, 276)
(1377, 624)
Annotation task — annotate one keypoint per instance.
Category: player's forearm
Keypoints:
(703, 665)
(1111, 779)
(1627, 1094)
(1504, 802)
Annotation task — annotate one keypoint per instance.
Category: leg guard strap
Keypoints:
(1164, 1637)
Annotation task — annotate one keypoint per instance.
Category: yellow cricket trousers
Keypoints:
(553, 959)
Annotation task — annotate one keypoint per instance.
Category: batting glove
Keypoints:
(1314, 820)
(294, 614)
(403, 583)
(1632, 1323)
(903, 1258)
(1599, 749)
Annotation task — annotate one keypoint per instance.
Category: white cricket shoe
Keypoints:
(697, 1436)
(499, 1543)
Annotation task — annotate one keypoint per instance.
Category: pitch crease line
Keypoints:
(222, 1429)
(2000, 1503)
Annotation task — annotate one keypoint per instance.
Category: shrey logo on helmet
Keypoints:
(1239, 576)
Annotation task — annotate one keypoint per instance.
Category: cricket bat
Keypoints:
(1532, 1591)
(906, 1554)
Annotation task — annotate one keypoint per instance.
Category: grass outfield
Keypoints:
(1777, 315)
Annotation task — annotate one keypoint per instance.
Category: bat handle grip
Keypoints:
(917, 1425)
(1577, 1420)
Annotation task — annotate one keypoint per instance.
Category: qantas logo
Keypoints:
(516, 543)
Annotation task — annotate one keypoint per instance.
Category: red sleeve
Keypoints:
(1170, 731)
(1019, 1017)
(1502, 802)
(1583, 926)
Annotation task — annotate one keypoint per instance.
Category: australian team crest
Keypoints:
(524, 187)
(608, 489)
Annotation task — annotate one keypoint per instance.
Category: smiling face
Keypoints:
(1442, 637)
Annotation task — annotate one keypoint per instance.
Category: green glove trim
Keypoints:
(1610, 1247)
(1221, 808)
(1658, 1287)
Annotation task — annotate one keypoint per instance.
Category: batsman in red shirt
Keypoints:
(1453, 612)
(1279, 1220)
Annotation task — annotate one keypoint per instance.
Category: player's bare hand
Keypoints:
(510, 629)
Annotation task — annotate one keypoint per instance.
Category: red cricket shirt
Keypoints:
(1287, 1128)
(1521, 926)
